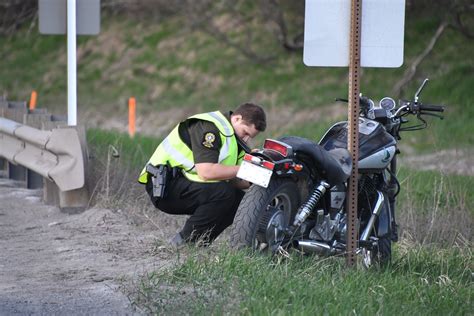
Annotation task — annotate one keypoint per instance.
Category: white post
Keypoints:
(71, 64)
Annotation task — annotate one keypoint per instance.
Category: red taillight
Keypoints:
(269, 165)
(248, 157)
(276, 146)
(259, 161)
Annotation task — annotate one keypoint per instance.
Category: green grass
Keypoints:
(419, 282)
(134, 152)
(434, 208)
(422, 188)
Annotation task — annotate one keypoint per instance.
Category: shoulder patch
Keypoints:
(209, 139)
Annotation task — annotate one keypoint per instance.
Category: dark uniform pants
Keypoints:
(212, 206)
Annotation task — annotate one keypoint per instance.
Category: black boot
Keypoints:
(177, 241)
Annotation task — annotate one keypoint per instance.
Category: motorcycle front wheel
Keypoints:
(381, 255)
(276, 203)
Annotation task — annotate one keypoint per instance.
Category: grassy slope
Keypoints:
(164, 67)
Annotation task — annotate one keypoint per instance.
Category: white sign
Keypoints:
(327, 28)
(53, 17)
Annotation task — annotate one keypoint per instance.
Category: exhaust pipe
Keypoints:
(313, 246)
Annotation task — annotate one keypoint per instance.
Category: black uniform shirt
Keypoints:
(205, 141)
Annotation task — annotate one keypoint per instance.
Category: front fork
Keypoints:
(386, 218)
(375, 213)
(392, 193)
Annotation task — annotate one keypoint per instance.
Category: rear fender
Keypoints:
(283, 165)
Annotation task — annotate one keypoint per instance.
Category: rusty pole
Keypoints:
(353, 128)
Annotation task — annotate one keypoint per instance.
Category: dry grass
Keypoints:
(442, 217)
(115, 187)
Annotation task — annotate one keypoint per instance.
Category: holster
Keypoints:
(160, 177)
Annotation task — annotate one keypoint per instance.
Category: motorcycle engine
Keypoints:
(326, 228)
(334, 221)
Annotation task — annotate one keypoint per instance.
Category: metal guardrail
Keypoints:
(41, 151)
(56, 154)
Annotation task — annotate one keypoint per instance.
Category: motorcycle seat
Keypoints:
(335, 166)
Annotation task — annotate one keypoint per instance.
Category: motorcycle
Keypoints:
(298, 200)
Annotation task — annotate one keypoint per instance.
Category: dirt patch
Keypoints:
(155, 123)
(283, 118)
(160, 122)
(52, 262)
(452, 161)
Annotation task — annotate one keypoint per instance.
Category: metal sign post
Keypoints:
(74, 18)
(353, 128)
(71, 64)
(340, 33)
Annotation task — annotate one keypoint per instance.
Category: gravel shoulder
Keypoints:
(55, 263)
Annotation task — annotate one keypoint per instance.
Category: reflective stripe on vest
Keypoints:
(176, 153)
(229, 131)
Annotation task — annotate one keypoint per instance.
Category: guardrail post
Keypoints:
(3, 162)
(50, 189)
(76, 201)
(73, 201)
(35, 118)
(15, 112)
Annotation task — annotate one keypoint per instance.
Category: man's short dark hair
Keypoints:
(252, 114)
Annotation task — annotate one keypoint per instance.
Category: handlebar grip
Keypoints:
(430, 107)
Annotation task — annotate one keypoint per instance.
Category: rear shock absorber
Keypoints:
(308, 206)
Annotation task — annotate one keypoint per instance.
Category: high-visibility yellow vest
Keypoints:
(176, 153)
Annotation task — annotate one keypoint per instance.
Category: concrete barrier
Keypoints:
(3, 163)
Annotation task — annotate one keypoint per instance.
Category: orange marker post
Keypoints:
(33, 97)
(131, 116)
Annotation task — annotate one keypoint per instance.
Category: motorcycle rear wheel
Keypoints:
(281, 195)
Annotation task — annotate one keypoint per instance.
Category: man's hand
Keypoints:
(240, 184)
